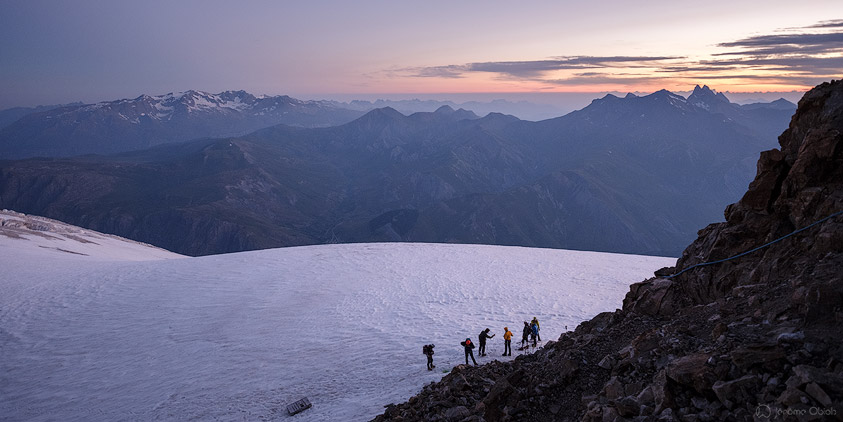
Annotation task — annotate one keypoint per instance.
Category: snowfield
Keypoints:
(101, 328)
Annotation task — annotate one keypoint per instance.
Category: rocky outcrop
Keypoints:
(752, 338)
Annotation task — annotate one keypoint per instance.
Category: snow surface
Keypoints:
(103, 336)
(28, 237)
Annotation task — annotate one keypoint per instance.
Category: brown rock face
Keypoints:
(728, 341)
(795, 187)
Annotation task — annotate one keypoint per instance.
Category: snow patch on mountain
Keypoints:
(40, 236)
(193, 102)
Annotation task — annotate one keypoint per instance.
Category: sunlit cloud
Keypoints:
(791, 58)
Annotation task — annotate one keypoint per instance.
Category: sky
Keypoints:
(54, 52)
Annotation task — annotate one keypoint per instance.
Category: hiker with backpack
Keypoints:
(428, 351)
(538, 328)
(534, 332)
(468, 345)
(483, 336)
(525, 334)
(507, 342)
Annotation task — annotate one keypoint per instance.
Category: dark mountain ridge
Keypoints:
(11, 115)
(754, 337)
(587, 180)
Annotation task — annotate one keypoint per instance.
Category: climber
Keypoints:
(468, 345)
(427, 349)
(507, 342)
(538, 328)
(483, 336)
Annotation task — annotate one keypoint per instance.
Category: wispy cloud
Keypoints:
(531, 69)
(450, 71)
(536, 68)
(786, 44)
(829, 24)
(792, 56)
(598, 78)
(817, 65)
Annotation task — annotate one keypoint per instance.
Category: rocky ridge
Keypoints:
(752, 338)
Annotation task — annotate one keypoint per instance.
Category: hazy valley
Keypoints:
(632, 175)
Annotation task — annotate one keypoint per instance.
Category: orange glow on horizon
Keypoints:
(475, 85)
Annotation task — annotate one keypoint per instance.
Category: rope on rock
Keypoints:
(760, 247)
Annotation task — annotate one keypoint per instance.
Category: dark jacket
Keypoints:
(484, 335)
(467, 344)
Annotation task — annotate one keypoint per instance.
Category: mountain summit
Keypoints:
(707, 98)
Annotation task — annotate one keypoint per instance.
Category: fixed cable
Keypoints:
(760, 247)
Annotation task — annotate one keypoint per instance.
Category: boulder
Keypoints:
(497, 398)
(739, 391)
(613, 389)
(628, 406)
(662, 396)
(652, 297)
(607, 362)
(693, 371)
(750, 355)
(646, 396)
(805, 374)
(792, 396)
(718, 330)
(818, 394)
(457, 413)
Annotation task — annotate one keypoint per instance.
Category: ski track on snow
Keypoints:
(240, 336)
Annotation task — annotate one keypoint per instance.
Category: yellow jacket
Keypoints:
(507, 335)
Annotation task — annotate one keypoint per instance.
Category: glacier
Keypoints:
(95, 327)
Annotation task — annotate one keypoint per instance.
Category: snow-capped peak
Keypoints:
(198, 101)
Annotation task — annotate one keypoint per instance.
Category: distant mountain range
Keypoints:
(11, 115)
(145, 121)
(634, 175)
(523, 109)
